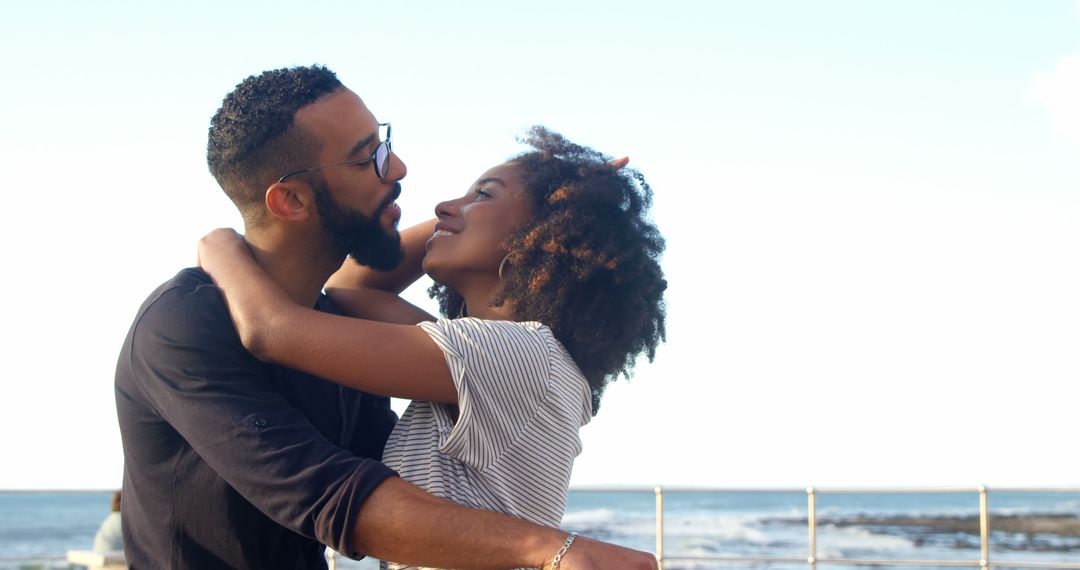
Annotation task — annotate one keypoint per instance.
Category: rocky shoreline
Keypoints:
(1032, 533)
(1054, 524)
(1048, 532)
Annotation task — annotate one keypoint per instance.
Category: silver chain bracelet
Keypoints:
(562, 551)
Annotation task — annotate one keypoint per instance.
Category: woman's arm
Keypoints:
(365, 293)
(380, 358)
(352, 275)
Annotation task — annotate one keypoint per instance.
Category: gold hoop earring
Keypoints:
(502, 264)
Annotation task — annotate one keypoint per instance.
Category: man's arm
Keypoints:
(186, 363)
(196, 374)
(402, 523)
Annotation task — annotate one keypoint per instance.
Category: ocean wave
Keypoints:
(838, 542)
(727, 528)
(589, 517)
(1061, 508)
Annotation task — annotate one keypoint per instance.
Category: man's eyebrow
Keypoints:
(363, 143)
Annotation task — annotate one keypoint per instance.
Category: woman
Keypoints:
(548, 266)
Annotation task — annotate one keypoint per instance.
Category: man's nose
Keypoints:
(398, 169)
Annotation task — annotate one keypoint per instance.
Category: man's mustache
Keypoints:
(395, 192)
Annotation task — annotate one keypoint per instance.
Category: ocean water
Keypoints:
(774, 524)
(38, 528)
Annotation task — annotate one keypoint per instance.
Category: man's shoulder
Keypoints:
(189, 303)
(191, 285)
(186, 280)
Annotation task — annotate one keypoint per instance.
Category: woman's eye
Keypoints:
(481, 194)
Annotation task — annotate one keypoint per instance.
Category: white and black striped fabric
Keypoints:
(521, 402)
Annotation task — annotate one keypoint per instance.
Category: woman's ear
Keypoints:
(290, 202)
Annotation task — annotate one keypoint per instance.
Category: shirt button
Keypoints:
(260, 422)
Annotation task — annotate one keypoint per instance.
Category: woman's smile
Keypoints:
(441, 231)
(494, 207)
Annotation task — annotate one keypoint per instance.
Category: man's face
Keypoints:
(361, 237)
(357, 209)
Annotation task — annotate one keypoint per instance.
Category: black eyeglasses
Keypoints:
(381, 157)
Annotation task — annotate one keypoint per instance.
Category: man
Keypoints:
(235, 463)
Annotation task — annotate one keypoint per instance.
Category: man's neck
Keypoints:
(298, 270)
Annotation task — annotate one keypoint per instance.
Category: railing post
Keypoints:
(660, 528)
(811, 522)
(984, 528)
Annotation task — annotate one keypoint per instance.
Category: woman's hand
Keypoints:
(253, 297)
(218, 247)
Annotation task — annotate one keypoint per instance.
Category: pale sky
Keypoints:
(872, 212)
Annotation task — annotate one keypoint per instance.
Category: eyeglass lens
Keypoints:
(382, 155)
(382, 160)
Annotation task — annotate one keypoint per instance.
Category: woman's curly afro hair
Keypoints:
(587, 263)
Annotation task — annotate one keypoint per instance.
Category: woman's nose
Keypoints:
(445, 209)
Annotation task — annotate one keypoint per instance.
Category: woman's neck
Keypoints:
(479, 305)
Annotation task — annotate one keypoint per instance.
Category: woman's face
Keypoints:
(467, 246)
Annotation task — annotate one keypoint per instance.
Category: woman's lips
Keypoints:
(437, 234)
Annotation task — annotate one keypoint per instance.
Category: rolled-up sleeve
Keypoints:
(220, 399)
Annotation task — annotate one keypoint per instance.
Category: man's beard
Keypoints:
(360, 237)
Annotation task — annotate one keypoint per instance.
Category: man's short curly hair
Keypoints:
(587, 263)
(252, 139)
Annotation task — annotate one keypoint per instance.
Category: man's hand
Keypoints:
(589, 554)
(401, 522)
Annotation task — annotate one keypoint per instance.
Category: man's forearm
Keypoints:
(402, 523)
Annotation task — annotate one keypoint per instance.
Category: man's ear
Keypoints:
(290, 202)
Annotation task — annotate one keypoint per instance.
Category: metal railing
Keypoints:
(812, 559)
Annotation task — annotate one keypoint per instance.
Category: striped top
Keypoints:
(521, 402)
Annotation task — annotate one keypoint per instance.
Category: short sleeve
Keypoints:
(502, 372)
